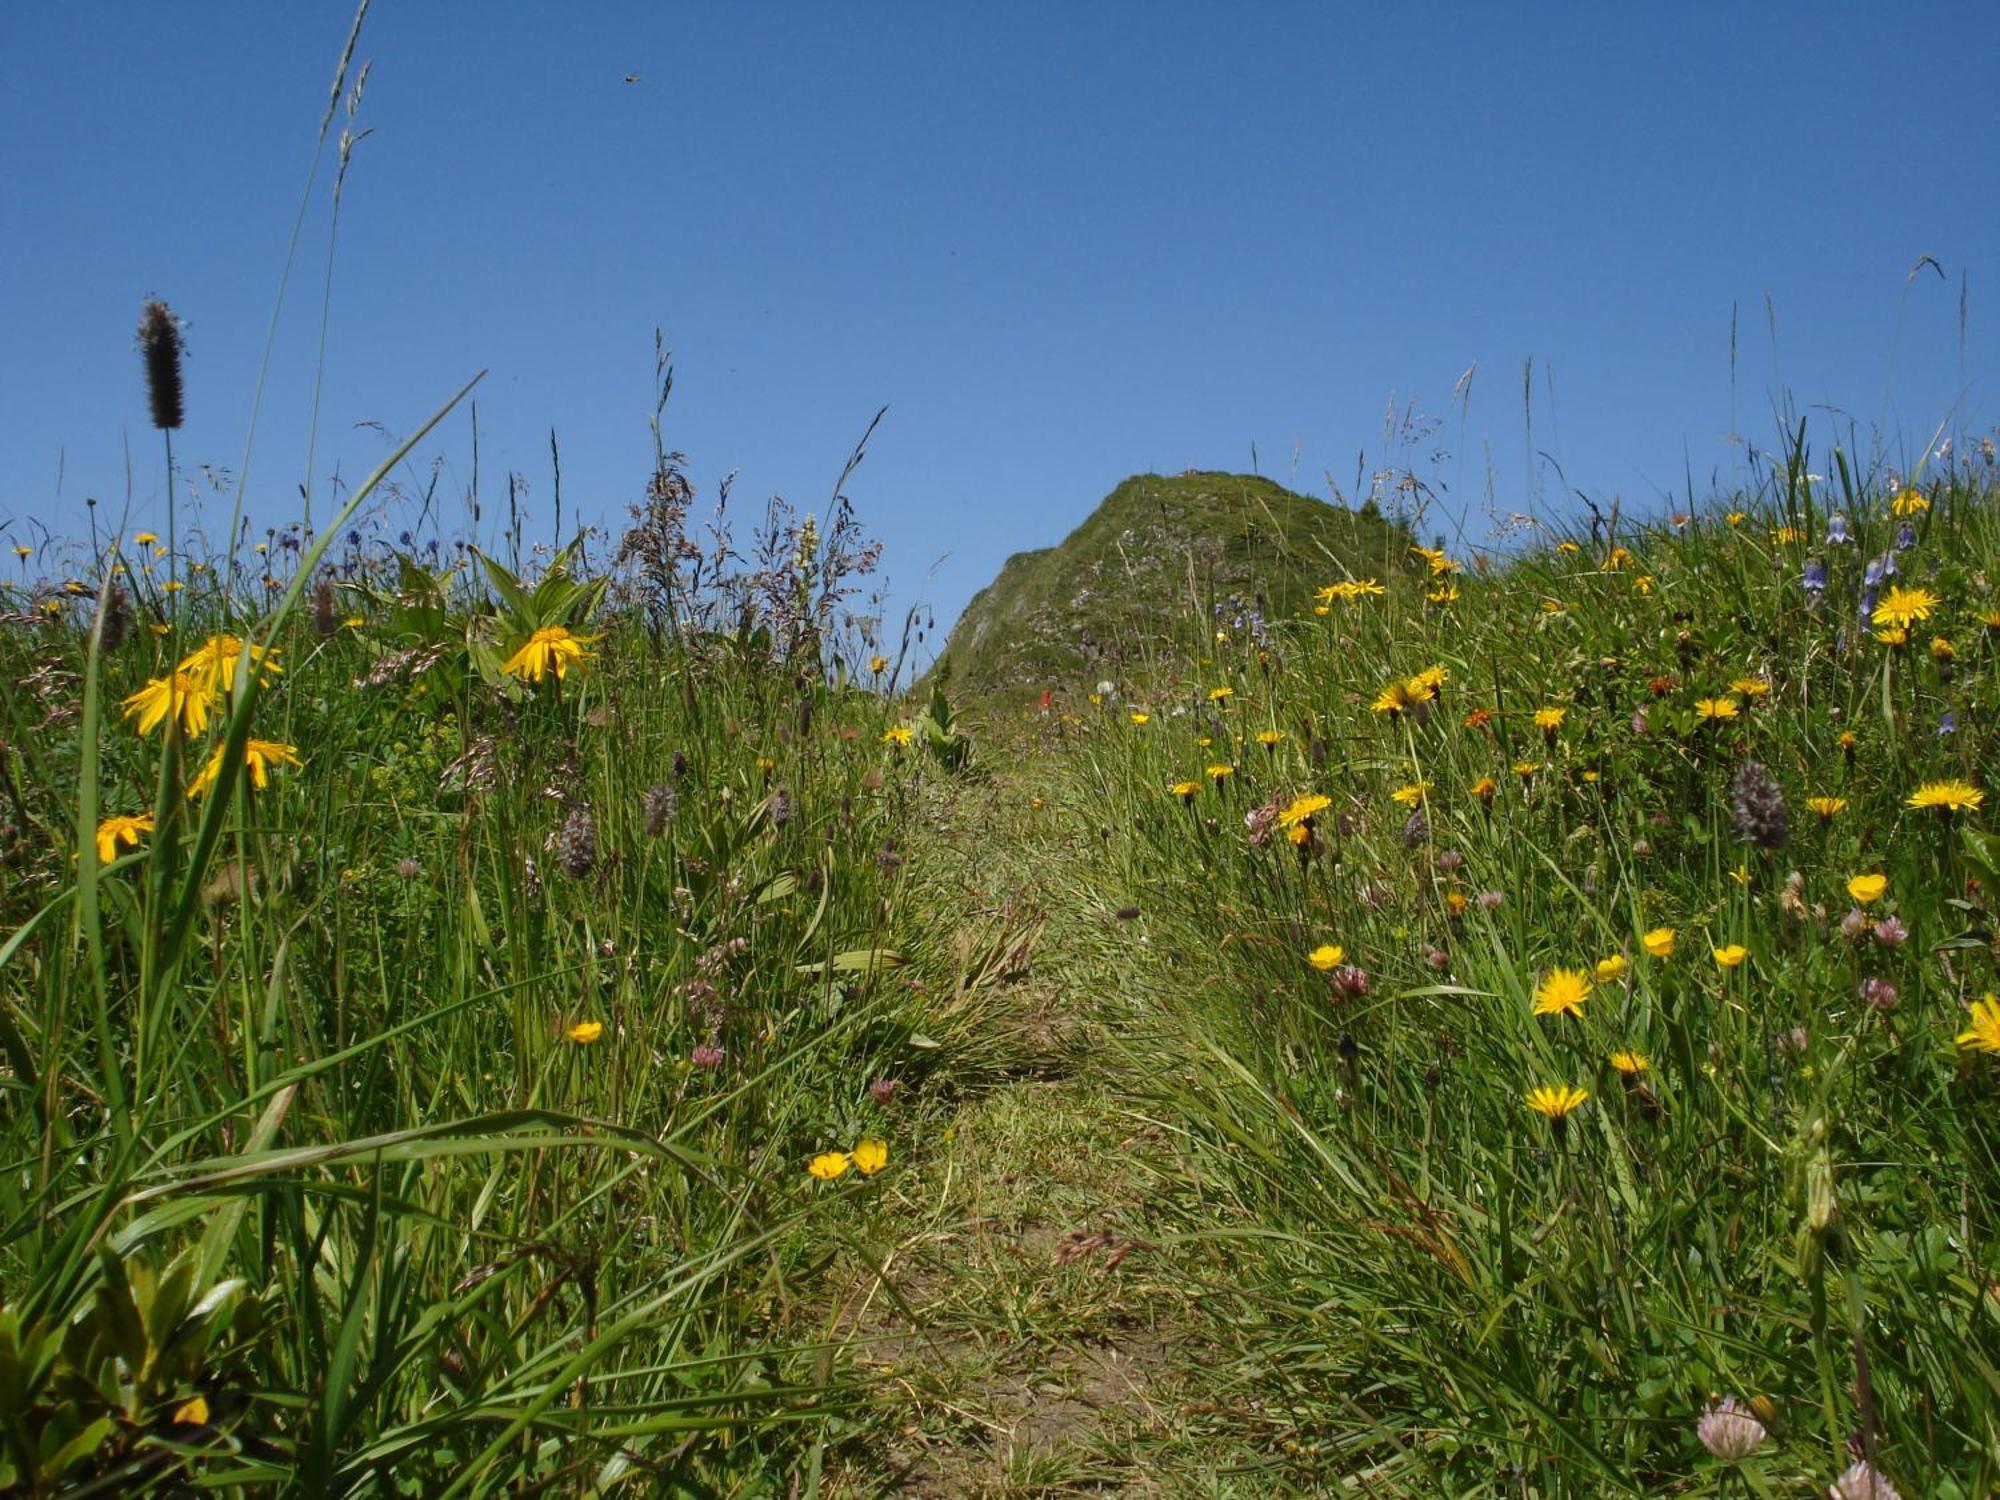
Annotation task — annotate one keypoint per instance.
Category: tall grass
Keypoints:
(1796, 1202)
(434, 1117)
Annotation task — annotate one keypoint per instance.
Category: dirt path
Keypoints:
(1045, 1336)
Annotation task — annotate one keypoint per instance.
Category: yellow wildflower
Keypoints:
(551, 647)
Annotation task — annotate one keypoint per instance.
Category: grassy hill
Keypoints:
(1156, 547)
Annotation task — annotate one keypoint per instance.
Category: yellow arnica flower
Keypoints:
(1825, 807)
(1411, 795)
(1984, 1032)
(1554, 1101)
(182, 696)
(122, 829)
(1326, 957)
(870, 1156)
(583, 1033)
(897, 735)
(1303, 809)
(1948, 796)
(1715, 708)
(1867, 888)
(553, 647)
(1443, 594)
(1630, 1063)
(1909, 503)
(1730, 955)
(829, 1165)
(1642, 583)
(1562, 993)
(1659, 942)
(259, 756)
(1904, 606)
(214, 661)
(1735, 518)
(1550, 718)
(1611, 970)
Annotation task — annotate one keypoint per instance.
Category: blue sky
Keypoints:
(1062, 244)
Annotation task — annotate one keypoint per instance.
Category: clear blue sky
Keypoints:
(1062, 243)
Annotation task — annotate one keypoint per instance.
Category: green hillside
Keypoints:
(1130, 573)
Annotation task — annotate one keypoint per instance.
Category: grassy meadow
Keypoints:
(492, 1019)
(1583, 1054)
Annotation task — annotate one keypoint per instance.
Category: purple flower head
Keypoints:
(1836, 529)
(1906, 537)
(1891, 933)
(1879, 993)
(1947, 722)
(1814, 580)
(707, 1056)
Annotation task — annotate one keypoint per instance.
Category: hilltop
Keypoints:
(1155, 548)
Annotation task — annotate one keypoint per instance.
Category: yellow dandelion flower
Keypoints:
(1270, 738)
(1868, 888)
(1894, 635)
(1904, 606)
(869, 1156)
(878, 664)
(1217, 694)
(1526, 768)
(1631, 1064)
(1948, 796)
(1984, 1032)
(1990, 617)
(1555, 1101)
(1942, 649)
(1220, 772)
(1562, 993)
(1659, 943)
(1304, 809)
(122, 829)
(1187, 791)
(1326, 957)
(144, 539)
(1825, 807)
(1715, 708)
(1411, 795)
(1750, 687)
(1550, 718)
(1484, 788)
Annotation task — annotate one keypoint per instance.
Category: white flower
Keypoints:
(1729, 1431)
(1863, 1481)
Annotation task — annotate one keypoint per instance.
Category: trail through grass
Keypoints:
(1036, 1331)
